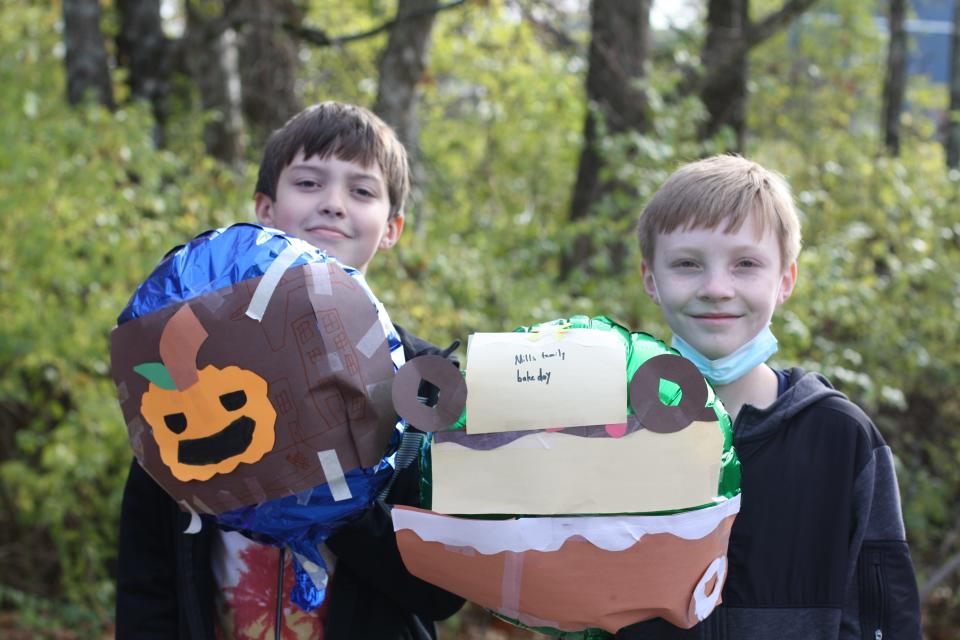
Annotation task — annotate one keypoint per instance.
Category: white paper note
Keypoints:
(523, 381)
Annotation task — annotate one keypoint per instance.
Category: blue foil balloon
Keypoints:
(223, 257)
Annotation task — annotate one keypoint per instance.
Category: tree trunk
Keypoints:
(724, 91)
(953, 121)
(895, 81)
(269, 62)
(401, 66)
(211, 52)
(730, 37)
(619, 48)
(143, 49)
(86, 55)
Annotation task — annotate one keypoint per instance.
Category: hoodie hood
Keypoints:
(803, 389)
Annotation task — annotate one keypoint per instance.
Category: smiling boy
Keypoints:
(336, 176)
(818, 549)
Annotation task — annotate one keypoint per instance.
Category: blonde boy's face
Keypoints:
(718, 290)
(339, 206)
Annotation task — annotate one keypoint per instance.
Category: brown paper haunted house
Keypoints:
(225, 410)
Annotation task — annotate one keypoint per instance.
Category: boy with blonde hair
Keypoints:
(818, 549)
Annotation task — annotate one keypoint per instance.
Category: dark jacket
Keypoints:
(818, 550)
(165, 585)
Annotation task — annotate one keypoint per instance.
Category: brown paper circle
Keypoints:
(645, 393)
(439, 372)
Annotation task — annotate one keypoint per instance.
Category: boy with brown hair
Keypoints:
(336, 176)
(818, 549)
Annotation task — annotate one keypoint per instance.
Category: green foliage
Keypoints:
(89, 206)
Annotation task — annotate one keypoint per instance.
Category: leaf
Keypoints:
(156, 373)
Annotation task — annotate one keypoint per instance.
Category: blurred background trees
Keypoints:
(539, 130)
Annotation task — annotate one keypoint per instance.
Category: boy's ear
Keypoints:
(649, 284)
(264, 208)
(787, 282)
(392, 233)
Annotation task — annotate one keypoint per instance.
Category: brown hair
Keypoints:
(722, 190)
(344, 131)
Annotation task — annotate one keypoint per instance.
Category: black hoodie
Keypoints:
(818, 550)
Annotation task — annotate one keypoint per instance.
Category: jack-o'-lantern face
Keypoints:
(213, 425)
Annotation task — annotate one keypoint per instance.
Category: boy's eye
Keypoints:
(746, 263)
(364, 192)
(685, 264)
(307, 183)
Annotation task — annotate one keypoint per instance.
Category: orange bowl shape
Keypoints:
(575, 573)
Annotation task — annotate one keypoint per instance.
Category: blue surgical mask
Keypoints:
(735, 365)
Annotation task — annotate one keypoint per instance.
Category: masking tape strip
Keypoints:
(372, 339)
(259, 495)
(228, 500)
(195, 522)
(320, 275)
(212, 301)
(200, 504)
(329, 364)
(136, 429)
(510, 588)
(332, 470)
(304, 496)
(269, 281)
(318, 575)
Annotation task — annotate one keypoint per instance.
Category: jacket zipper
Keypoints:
(278, 618)
(878, 574)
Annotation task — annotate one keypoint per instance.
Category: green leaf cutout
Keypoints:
(156, 373)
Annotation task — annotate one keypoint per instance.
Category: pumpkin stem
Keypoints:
(179, 345)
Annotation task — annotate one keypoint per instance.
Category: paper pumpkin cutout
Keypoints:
(292, 396)
(198, 439)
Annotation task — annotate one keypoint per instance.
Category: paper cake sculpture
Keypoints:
(610, 452)
(254, 370)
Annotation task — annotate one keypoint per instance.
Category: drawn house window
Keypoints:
(335, 404)
(282, 402)
(331, 322)
(304, 330)
(342, 341)
(351, 361)
(357, 405)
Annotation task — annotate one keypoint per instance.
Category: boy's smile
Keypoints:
(336, 205)
(718, 290)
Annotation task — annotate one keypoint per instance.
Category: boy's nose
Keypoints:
(716, 285)
(332, 203)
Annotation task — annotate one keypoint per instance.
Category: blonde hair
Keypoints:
(722, 190)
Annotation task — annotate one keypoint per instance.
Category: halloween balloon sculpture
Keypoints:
(254, 374)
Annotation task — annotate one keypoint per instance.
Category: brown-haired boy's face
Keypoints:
(718, 290)
(339, 206)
